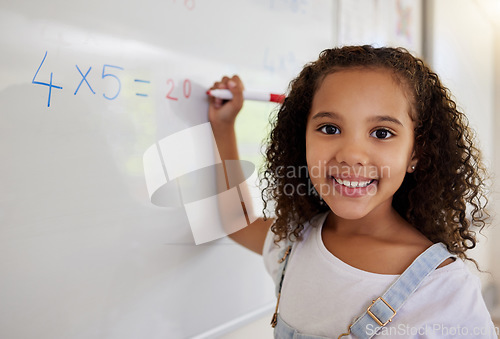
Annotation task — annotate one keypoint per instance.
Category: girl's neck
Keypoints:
(381, 222)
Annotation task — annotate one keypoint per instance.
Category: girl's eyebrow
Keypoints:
(385, 118)
(330, 115)
(378, 118)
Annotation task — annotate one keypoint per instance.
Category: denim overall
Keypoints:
(383, 309)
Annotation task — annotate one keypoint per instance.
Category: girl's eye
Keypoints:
(329, 129)
(382, 134)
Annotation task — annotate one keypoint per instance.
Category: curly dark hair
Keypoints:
(448, 162)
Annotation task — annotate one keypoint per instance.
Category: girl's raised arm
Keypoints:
(222, 115)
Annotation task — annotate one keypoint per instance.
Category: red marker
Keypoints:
(248, 95)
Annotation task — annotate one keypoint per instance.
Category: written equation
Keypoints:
(111, 74)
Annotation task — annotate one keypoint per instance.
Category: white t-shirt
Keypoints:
(322, 295)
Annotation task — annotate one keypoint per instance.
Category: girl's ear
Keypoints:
(413, 164)
(411, 168)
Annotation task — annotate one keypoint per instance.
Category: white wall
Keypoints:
(461, 50)
(495, 231)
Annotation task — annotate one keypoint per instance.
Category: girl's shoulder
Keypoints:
(449, 300)
(457, 277)
(272, 251)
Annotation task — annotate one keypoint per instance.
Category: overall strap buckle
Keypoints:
(377, 320)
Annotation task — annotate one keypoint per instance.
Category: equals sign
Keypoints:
(144, 82)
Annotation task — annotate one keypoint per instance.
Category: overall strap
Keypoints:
(384, 308)
(283, 261)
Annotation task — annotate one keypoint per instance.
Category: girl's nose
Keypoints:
(352, 153)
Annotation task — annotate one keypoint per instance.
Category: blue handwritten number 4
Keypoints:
(50, 85)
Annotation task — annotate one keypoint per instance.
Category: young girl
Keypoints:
(369, 163)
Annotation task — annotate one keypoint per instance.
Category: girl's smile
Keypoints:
(354, 187)
(360, 136)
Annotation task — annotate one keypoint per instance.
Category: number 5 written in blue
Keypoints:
(104, 75)
(50, 85)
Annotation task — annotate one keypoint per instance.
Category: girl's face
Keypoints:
(359, 141)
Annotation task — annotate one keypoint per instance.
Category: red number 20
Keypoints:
(186, 89)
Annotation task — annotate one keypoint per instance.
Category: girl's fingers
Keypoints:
(226, 110)
(218, 102)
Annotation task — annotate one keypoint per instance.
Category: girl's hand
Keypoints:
(223, 112)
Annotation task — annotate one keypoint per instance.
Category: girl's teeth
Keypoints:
(353, 184)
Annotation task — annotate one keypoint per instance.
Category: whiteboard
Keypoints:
(87, 88)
